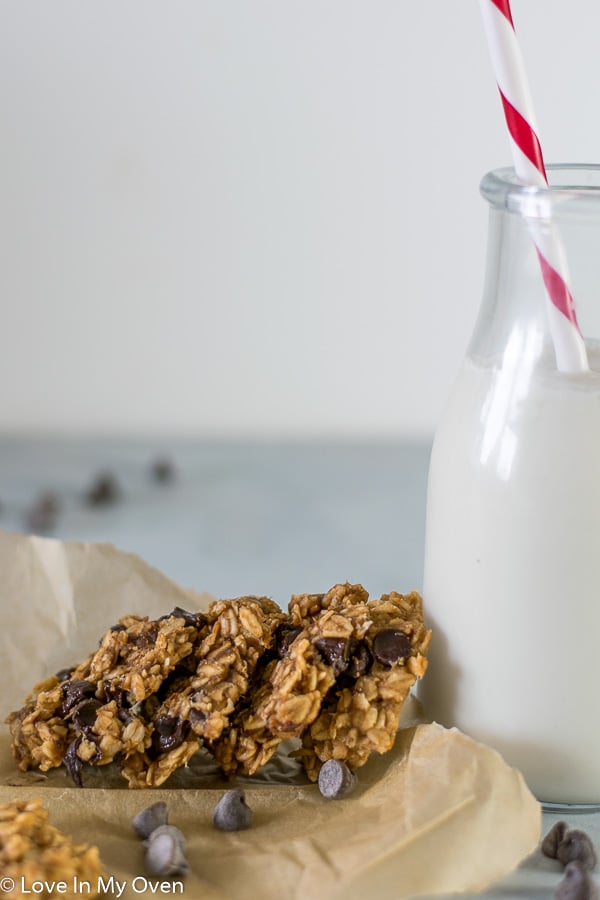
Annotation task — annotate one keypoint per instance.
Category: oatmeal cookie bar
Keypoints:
(200, 706)
(94, 711)
(33, 850)
(289, 690)
(361, 714)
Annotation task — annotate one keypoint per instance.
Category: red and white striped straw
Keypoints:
(528, 161)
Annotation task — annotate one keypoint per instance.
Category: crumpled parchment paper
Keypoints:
(439, 813)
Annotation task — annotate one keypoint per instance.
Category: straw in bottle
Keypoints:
(528, 161)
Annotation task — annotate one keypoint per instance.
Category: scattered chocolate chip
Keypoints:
(84, 714)
(163, 470)
(103, 491)
(118, 627)
(165, 856)
(165, 828)
(74, 692)
(145, 822)
(169, 732)
(284, 638)
(336, 780)
(569, 845)
(335, 652)
(576, 846)
(577, 884)
(72, 762)
(231, 812)
(390, 646)
(360, 661)
(553, 838)
(43, 514)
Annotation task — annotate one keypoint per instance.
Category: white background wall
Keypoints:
(256, 216)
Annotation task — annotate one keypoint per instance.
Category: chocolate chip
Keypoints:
(165, 828)
(197, 619)
(103, 491)
(74, 692)
(110, 692)
(336, 780)
(569, 845)
(64, 674)
(232, 812)
(576, 846)
(163, 470)
(169, 732)
(335, 652)
(125, 716)
(150, 818)
(72, 761)
(577, 884)
(284, 638)
(390, 646)
(43, 514)
(165, 853)
(360, 660)
(553, 838)
(84, 714)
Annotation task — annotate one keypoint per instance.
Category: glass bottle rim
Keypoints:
(573, 190)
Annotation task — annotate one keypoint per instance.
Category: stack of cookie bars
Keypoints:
(238, 679)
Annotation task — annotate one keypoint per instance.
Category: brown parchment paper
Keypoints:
(439, 813)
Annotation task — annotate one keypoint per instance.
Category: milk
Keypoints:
(512, 570)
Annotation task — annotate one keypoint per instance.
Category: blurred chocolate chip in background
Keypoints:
(163, 470)
(43, 515)
(104, 490)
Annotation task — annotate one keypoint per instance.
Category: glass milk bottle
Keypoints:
(512, 556)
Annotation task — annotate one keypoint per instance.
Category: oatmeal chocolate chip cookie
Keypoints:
(360, 715)
(96, 710)
(289, 690)
(33, 850)
(200, 706)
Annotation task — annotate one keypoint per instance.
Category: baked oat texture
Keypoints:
(290, 689)
(99, 709)
(361, 716)
(239, 678)
(33, 850)
(223, 664)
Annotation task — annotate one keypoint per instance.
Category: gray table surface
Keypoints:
(252, 518)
